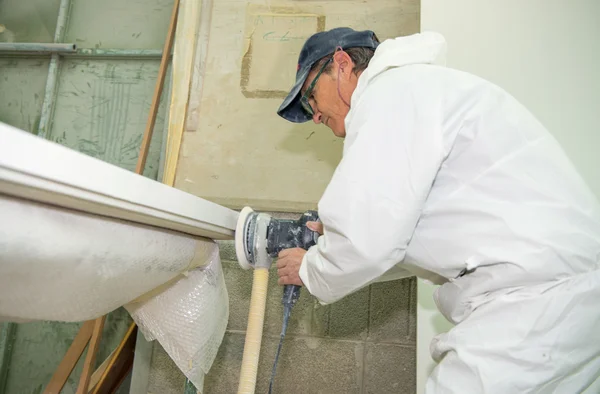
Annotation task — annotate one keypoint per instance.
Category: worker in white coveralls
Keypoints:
(452, 178)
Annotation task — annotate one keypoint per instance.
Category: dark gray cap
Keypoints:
(315, 48)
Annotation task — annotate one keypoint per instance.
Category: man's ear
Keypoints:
(343, 62)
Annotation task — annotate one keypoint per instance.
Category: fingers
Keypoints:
(287, 280)
(284, 259)
(288, 266)
(315, 226)
(285, 253)
(284, 270)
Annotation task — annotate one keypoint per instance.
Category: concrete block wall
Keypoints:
(364, 343)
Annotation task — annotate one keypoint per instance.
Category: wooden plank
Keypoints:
(162, 71)
(90, 357)
(182, 66)
(99, 371)
(119, 365)
(194, 101)
(61, 374)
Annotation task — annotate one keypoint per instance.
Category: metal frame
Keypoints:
(7, 336)
(115, 53)
(80, 53)
(36, 47)
(50, 94)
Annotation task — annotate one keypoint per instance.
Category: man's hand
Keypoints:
(288, 266)
(289, 260)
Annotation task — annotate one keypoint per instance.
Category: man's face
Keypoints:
(325, 100)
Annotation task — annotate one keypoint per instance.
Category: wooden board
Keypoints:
(66, 366)
(90, 357)
(236, 150)
(182, 69)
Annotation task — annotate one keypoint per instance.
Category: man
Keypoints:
(450, 177)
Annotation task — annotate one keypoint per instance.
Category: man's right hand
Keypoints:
(315, 226)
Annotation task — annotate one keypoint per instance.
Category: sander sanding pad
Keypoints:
(240, 238)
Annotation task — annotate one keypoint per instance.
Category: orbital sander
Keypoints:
(259, 238)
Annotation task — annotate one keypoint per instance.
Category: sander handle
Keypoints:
(294, 233)
(287, 234)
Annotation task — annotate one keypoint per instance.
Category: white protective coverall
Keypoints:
(446, 173)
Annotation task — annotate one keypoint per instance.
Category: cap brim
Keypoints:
(291, 109)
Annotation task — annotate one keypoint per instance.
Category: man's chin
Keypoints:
(339, 133)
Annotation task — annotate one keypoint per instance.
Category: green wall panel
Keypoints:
(28, 20)
(131, 24)
(22, 83)
(102, 107)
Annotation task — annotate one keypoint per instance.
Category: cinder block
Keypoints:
(310, 365)
(392, 305)
(306, 365)
(349, 317)
(227, 250)
(223, 376)
(390, 369)
(165, 377)
(308, 316)
(239, 289)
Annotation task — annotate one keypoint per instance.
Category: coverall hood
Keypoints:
(422, 48)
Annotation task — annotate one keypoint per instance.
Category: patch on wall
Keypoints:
(273, 39)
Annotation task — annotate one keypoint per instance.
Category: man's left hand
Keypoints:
(288, 266)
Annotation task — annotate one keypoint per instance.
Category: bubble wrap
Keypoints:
(188, 316)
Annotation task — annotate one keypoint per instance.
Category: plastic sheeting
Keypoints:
(188, 317)
(63, 265)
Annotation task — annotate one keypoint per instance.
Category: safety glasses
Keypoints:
(308, 93)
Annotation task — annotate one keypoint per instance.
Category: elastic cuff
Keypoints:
(303, 272)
